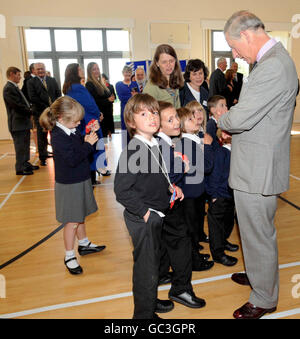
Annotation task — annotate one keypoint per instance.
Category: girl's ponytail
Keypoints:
(47, 119)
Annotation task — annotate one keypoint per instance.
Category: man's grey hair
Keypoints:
(241, 21)
(221, 60)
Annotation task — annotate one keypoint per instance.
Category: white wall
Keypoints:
(136, 14)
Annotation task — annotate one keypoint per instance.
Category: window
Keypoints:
(58, 47)
(65, 40)
(220, 49)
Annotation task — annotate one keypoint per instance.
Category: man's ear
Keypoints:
(246, 35)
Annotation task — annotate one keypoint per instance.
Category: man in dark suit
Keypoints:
(42, 91)
(217, 82)
(19, 123)
(238, 79)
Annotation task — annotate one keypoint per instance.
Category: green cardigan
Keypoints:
(162, 94)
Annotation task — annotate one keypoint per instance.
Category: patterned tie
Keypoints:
(45, 85)
(141, 88)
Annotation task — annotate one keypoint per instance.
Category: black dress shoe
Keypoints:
(188, 299)
(31, 167)
(43, 163)
(231, 247)
(24, 172)
(226, 260)
(204, 238)
(164, 306)
(202, 265)
(84, 250)
(167, 279)
(106, 174)
(204, 257)
(76, 270)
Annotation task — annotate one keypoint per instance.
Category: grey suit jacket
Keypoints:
(261, 123)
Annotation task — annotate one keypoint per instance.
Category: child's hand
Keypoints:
(179, 193)
(91, 138)
(101, 117)
(95, 126)
(184, 159)
(146, 216)
(207, 139)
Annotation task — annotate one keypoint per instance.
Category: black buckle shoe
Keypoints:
(84, 250)
(76, 270)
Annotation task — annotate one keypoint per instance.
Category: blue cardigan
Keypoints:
(217, 182)
(124, 94)
(83, 96)
(200, 163)
(186, 96)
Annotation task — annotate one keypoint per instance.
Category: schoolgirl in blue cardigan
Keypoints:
(198, 159)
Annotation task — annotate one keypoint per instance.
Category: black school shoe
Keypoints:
(188, 299)
(84, 250)
(76, 270)
(164, 306)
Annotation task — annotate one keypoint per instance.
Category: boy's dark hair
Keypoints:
(164, 105)
(213, 101)
(134, 105)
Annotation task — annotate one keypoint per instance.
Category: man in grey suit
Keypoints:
(260, 123)
(19, 121)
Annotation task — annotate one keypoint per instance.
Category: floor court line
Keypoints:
(3, 156)
(129, 294)
(12, 191)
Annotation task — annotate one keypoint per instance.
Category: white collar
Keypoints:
(192, 137)
(228, 146)
(151, 143)
(65, 129)
(213, 118)
(13, 83)
(165, 137)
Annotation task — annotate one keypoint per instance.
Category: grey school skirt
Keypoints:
(74, 202)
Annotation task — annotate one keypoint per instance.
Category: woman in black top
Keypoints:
(103, 97)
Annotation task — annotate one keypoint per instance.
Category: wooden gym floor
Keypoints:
(39, 286)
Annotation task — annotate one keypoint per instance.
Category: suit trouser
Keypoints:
(178, 245)
(256, 215)
(146, 239)
(220, 217)
(41, 140)
(22, 148)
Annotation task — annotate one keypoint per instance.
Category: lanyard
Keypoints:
(164, 170)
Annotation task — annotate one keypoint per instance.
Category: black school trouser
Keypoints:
(191, 208)
(220, 217)
(146, 239)
(178, 246)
